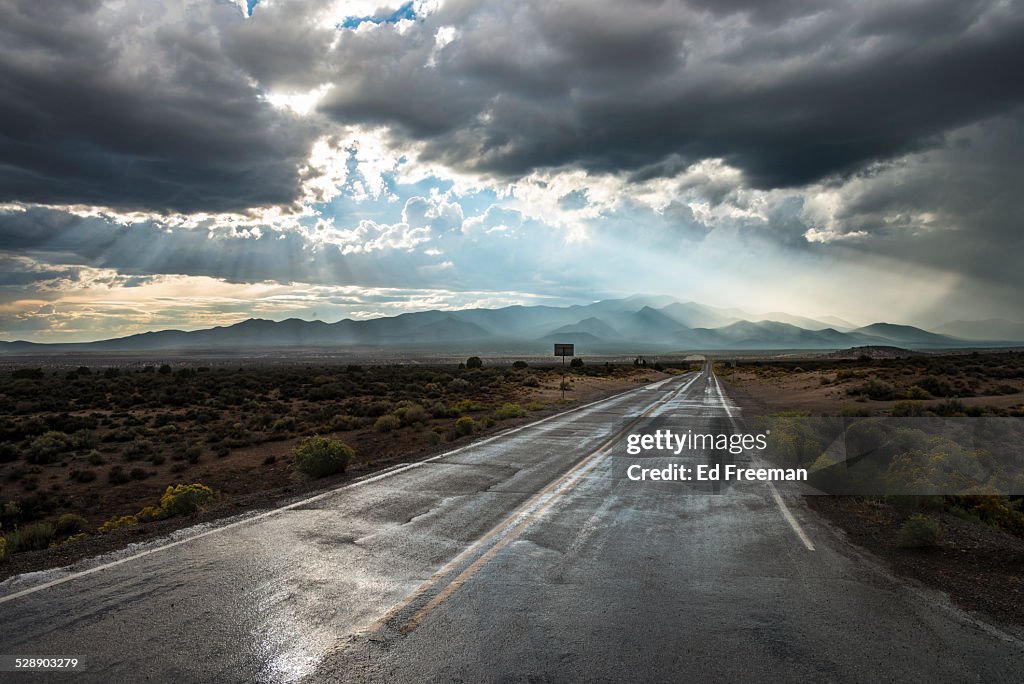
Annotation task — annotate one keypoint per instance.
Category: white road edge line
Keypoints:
(786, 513)
(362, 481)
(789, 517)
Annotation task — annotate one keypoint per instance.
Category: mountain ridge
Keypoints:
(637, 323)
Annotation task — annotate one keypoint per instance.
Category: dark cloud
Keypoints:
(954, 208)
(161, 107)
(136, 109)
(613, 86)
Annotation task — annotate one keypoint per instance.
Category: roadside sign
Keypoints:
(564, 350)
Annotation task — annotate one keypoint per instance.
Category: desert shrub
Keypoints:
(414, 413)
(378, 408)
(938, 387)
(520, 364)
(531, 381)
(284, 424)
(474, 362)
(915, 392)
(565, 386)
(82, 476)
(96, 458)
(878, 390)
(438, 409)
(387, 423)
(919, 531)
(138, 450)
(998, 511)
(3, 547)
(908, 409)
(535, 406)
(117, 523)
(193, 453)
(149, 514)
(10, 513)
(465, 426)
(343, 422)
(433, 438)
(139, 473)
(116, 475)
(509, 410)
(458, 385)
(32, 537)
(270, 460)
(179, 467)
(465, 405)
(950, 407)
(320, 456)
(185, 499)
(47, 447)
(578, 363)
(69, 524)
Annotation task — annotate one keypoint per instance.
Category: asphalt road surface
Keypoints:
(529, 556)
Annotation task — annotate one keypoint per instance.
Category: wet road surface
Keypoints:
(529, 556)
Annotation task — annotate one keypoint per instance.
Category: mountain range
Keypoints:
(635, 324)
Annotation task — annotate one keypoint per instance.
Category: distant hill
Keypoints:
(908, 335)
(592, 326)
(635, 324)
(770, 335)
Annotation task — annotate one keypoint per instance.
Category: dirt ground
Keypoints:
(784, 390)
(981, 568)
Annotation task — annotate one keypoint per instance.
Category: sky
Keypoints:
(197, 162)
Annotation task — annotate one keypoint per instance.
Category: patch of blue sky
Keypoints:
(404, 12)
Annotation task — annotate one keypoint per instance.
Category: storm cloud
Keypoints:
(528, 146)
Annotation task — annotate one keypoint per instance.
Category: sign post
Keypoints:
(564, 350)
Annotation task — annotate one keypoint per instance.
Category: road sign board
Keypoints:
(564, 350)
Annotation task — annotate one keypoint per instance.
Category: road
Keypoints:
(529, 556)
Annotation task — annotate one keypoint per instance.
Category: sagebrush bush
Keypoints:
(915, 392)
(47, 448)
(531, 381)
(185, 499)
(509, 410)
(414, 413)
(117, 522)
(387, 423)
(149, 514)
(465, 425)
(69, 523)
(318, 456)
(117, 475)
(878, 390)
(32, 537)
(919, 531)
(458, 385)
